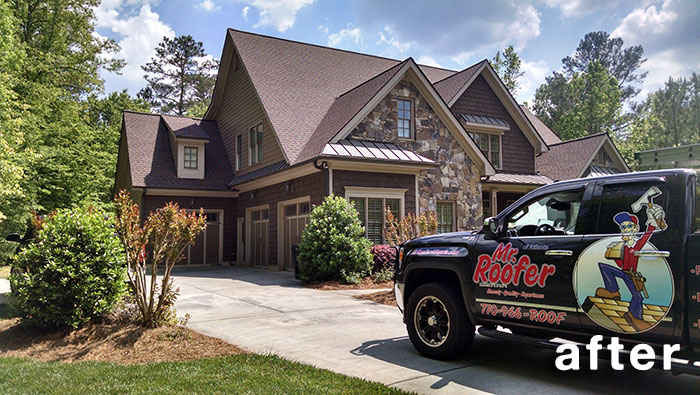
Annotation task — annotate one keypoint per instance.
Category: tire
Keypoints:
(437, 322)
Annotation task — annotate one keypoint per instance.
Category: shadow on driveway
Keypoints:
(497, 366)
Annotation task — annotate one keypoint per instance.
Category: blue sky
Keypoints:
(451, 34)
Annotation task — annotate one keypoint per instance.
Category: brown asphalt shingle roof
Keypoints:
(186, 127)
(566, 160)
(450, 86)
(546, 133)
(151, 156)
(298, 83)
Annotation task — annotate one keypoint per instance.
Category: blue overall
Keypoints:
(610, 276)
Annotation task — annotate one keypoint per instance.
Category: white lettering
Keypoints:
(641, 352)
(669, 349)
(615, 347)
(593, 346)
(572, 357)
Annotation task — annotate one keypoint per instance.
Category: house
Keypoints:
(291, 123)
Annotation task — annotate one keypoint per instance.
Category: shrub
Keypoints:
(384, 257)
(409, 227)
(333, 245)
(74, 270)
(166, 233)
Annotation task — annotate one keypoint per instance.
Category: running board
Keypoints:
(676, 367)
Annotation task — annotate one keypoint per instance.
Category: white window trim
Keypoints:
(280, 224)
(500, 145)
(183, 172)
(378, 193)
(239, 156)
(250, 149)
(411, 120)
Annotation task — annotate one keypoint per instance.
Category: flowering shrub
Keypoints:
(384, 257)
(409, 227)
(166, 232)
(333, 245)
(73, 271)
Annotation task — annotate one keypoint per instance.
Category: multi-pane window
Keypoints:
(256, 144)
(371, 213)
(191, 157)
(445, 216)
(404, 118)
(490, 146)
(239, 152)
(486, 204)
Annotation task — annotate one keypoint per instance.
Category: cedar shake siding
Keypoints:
(455, 179)
(345, 178)
(153, 203)
(240, 111)
(314, 185)
(518, 155)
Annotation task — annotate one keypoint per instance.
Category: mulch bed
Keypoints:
(109, 342)
(382, 297)
(367, 283)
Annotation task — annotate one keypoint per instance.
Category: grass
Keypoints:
(5, 271)
(244, 373)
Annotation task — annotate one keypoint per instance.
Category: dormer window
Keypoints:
(404, 115)
(191, 157)
(256, 144)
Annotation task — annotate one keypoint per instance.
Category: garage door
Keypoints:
(296, 216)
(207, 247)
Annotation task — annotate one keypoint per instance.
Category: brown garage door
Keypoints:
(207, 247)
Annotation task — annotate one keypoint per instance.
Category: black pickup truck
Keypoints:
(615, 256)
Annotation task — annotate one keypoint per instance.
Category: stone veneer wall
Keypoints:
(456, 179)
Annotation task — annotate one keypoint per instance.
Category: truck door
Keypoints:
(627, 274)
(526, 276)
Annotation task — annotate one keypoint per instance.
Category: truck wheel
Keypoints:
(437, 321)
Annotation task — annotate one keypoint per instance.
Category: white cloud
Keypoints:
(428, 61)
(450, 29)
(391, 41)
(668, 34)
(208, 5)
(579, 8)
(534, 75)
(137, 35)
(350, 34)
(244, 12)
(280, 14)
(462, 58)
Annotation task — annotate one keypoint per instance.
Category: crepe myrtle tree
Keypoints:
(160, 242)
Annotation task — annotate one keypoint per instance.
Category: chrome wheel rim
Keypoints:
(432, 321)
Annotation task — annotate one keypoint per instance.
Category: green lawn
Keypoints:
(4, 271)
(246, 373)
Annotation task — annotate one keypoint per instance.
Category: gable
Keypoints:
(240, 109)
(518, 154)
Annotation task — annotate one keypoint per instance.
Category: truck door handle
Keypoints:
(559, 253)
(654, 254)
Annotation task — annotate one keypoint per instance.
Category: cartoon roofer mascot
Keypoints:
(622, 253)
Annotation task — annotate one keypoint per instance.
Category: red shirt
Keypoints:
(629, 261)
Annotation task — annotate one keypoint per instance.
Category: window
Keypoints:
(602, 159)
(486, 204)
(559, 210)
(618, 198)
(404, 118)
(239, 151)
(256, 144)
(445, 217)
(191, 157)
(490, 146)
(371, 213)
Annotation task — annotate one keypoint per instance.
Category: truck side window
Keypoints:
(559, 210)
(619, 198)
(697, 203)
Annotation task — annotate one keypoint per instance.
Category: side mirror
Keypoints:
(490, 227)
(14, 237)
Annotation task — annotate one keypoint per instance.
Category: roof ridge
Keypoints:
(581, 138)
(167, 115)
(460, 72)
(336, 49)
(398, 65)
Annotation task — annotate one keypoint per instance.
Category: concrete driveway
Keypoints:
(268, 312)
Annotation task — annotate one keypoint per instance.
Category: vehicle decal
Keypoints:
(514, 294)
(608, 281)
(526, 304)
(439, 251)
(512, 312)
(504, 267)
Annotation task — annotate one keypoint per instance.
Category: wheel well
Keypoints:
(418, 277)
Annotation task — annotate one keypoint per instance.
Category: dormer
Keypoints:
(188, 141)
